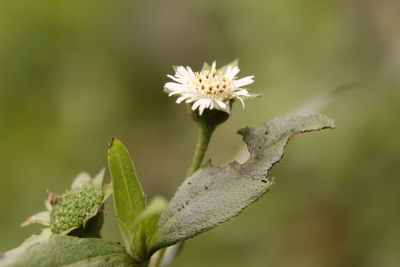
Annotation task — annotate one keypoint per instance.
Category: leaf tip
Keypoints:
(114, 143)
(329, 123)
(111, 143)
(243, 131)
(332, 124)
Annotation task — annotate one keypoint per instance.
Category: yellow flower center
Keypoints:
(212, 85)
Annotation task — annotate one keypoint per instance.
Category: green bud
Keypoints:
(75, 208)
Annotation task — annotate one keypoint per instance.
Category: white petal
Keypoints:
(231, 72)
(179, 73)
(205, 103)
(241, 92)
(176, 79)
(183, 72)
(201, 108)
(213, 65)
(181, 98)
(241, 100)
(208, 102)
(190, 100)
(174, 85)
(244, 81)
(173, 93)
(212, 105)
(189, 69)
(221, 104)
(196, 104)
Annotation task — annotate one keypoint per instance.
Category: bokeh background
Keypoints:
(75, 73)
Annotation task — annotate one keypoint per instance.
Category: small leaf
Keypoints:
(84, 179)
(108, 190)
(81, 180)
(205, 67)
(129, 199)
(149, 218)
(146, 223)
(61, 250)
(233, 64)
(42, 217)
(213, 195)
(98, 179)
(156, 206)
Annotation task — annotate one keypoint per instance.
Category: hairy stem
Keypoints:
(205, 132)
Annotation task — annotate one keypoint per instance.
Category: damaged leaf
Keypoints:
(213, 195)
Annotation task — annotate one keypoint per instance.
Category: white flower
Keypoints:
(212, 89)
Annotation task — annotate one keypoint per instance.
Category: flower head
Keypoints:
(210, 88)
(76, 207)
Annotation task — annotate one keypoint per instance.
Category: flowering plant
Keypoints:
(153, 232)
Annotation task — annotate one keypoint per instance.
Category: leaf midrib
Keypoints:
(125, 182)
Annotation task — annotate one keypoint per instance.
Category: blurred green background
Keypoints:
(75, 73)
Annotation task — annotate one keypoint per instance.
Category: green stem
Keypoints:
(205, 132)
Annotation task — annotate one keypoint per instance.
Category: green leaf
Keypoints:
(84, 179)
(205, 67)
(42, 217)
(223, 69)
(98, 179)
(81, 180)
(11, 256)
(156, 206)
(148, 219)
(213, 195)
(61, 250)
(129, 199)
(233, 64)
(147, 225)
(108, 191)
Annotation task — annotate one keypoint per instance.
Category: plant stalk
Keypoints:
(205, 132)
